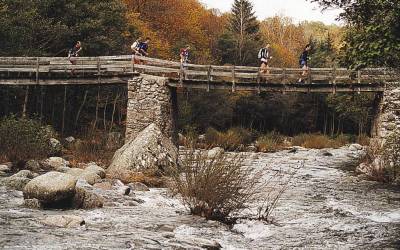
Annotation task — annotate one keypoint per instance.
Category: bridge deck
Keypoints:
(119, 69)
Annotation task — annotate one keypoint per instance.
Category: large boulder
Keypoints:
(94, 168)
(33, 165)
(85, 196)
(150, 153)
(51, 189)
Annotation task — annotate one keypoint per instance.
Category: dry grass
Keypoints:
(270, 142)
(215, 188)
(233, 139)
(319, 141)
(92, 148)
(363, 140)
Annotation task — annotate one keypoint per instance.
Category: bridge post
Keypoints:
(151, 100)
(387, 114)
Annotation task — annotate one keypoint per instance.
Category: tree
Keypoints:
(373, 36)
(245, 28)
(50, 27)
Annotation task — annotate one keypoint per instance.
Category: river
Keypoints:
(326, 206)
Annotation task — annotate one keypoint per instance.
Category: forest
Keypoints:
(108, 27)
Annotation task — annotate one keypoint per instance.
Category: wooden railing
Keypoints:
(96, 69)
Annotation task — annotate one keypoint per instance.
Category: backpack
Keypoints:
(135, 45)
(260, 53)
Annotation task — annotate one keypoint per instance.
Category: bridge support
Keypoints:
(387, 119)
(150, 100)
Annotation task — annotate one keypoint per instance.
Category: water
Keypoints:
(325, 207)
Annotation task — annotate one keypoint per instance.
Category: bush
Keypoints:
(24, 139)
(217, 187)
(233, 139)
(391, 157)
(270, 142)
(319, 141)
(363, 140)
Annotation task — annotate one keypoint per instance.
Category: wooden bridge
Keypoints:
(108, 70)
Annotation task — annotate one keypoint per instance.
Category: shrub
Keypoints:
(391, 157)
(270, 142)
(319, 141)
(233, 139)
(24, 139)
(217, 187)
(363, 140)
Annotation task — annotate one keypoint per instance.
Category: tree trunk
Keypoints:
(64, 109)
(104, 114)
(113, 112)
(81, 107)
(97, 108)
(24, 107)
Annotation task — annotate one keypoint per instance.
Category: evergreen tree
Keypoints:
(245, 28)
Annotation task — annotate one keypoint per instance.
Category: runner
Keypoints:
(184, 54)
(265, 56)
(303, 61)
(73, 54)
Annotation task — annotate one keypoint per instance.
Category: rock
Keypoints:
(92, 167)
(103, 185)
(53, 163)
(114, 140)
(5, 168)
(33, 204)
(69, 139)
(202, 138)
(63, 169)
(17, 183)
(355, 147)
(51, 189)
(203, 243)
(76, 172)
(251, 148)
(137, 186)
(56, 147)
(215, 152)
(325, 152)
(33, 165)
(85, 196)
(67, 221)
(25, 174)
(124, 190)
(181, 138)
(149, 153)
(3, 174)
(89, 176)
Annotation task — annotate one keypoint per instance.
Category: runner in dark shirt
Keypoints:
(74, 53)
(143, 47)
(303, 61)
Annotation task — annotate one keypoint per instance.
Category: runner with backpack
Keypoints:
(303, 61)
(265, 56)
(135, 49)
(184, 54)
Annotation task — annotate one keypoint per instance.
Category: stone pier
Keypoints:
(387, 119)
(151, 100)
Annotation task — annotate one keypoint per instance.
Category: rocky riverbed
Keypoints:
(326, 206)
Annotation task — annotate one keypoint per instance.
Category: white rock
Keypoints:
(67, 221)
(215, 152)
(53, 163)
(355, 147)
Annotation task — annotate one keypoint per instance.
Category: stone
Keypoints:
(56, 147)
(25, 174)
(85, 197)
(124, 190)
(137, 186)
(92, 167)
(66, 221)
(89, 176)
(356, 147)
(53, 163)
(69, 139)
(17, 183)
(251, 148)
(215, 152)
(63, 169)
(33, 165)
(103, 185)
(114, 140)
(76, 172)
(33, 204)
(149, 153)
(150, 101)
(51, 188)
(5, 168)
(325, 152)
